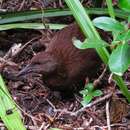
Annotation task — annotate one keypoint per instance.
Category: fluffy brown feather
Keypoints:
(62, 65)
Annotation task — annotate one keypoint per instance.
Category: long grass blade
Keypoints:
(31, 26)
(110, 8)
(38, 14)
(9, 113)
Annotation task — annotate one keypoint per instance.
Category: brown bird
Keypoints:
(62, 65)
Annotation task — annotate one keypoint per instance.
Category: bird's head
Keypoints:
(53, 72)
(42, 63)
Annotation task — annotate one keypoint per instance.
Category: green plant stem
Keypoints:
(110, 8)
(88, 29)
(119, 81)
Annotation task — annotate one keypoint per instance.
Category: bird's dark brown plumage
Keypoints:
(62, 65)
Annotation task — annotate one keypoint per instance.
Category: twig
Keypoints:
(21, 5)
(3, 10)
(112, 125)
(42, 126)
(79, 128)
(7, 62)
(61, 4)
(97, 81)
(94, 103)
(46, 127)
(12, 51)
(29, 115)
(108, 115)
(49, 102)
(116, 125)
(81, 109)
(24, 46)
(110, 78)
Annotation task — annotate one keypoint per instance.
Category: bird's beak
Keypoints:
(24, 71)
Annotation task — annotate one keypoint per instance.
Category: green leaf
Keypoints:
(84, 92)
(120, 59)
(89, 87)
(108, 24)
(90, 43)
(86, 100)
(125, 5)
(97, 93)
(123, 36)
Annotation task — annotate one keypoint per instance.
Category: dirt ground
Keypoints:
(41, 108)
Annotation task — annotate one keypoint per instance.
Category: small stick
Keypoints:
(97, 81)
(81, 109)
(7, 62)
(108, 116)
(24, 46)
(110, 78)
(42, 126)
